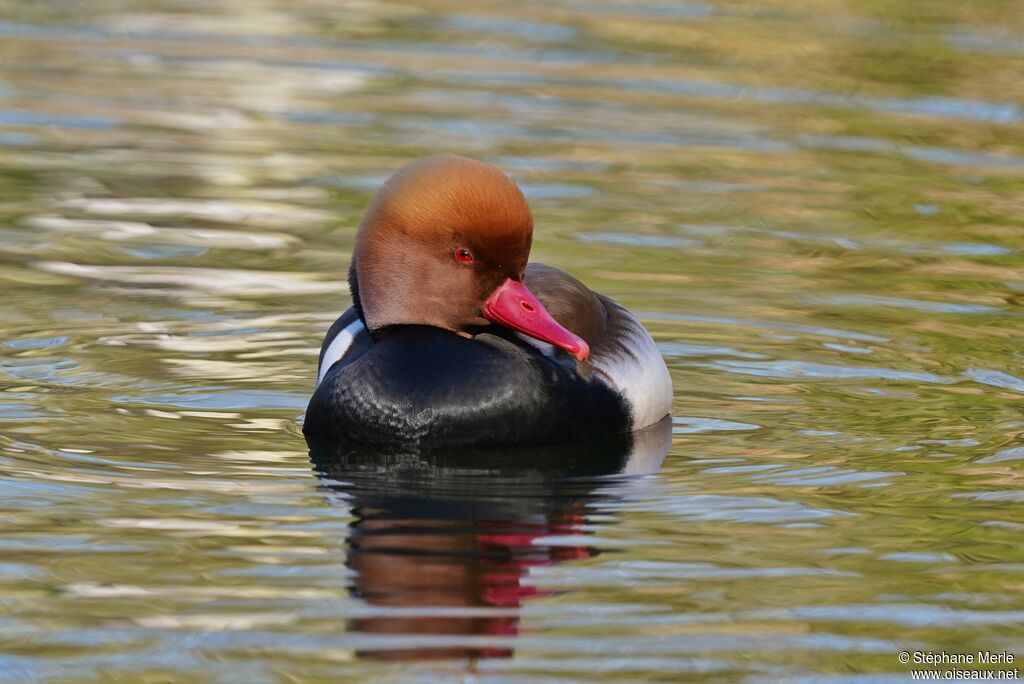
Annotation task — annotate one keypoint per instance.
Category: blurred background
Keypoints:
(817, 208)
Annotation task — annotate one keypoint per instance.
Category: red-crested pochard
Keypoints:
(453, 340)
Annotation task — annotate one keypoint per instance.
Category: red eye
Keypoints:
(463, 256)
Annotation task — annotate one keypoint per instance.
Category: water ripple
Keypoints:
(823, 371)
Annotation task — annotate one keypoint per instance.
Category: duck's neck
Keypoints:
(353, 288)
(357, 304)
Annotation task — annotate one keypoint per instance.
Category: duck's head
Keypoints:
(445, 243)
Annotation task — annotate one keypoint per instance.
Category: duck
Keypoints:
(456, 340)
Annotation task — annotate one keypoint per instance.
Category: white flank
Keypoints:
(338, 346)
(544, 348)
(644, 381)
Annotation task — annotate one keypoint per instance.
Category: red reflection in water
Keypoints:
(422, 564)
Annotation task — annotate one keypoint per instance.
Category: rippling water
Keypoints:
(816, 208)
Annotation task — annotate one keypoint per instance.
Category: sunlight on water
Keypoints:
(814, 207)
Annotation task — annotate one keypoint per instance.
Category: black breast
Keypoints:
(425, 387)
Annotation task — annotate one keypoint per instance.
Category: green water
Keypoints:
(817, 208)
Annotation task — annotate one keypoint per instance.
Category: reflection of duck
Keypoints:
(442, 543)
(439, 258)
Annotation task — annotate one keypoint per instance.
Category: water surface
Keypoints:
(814, 207)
